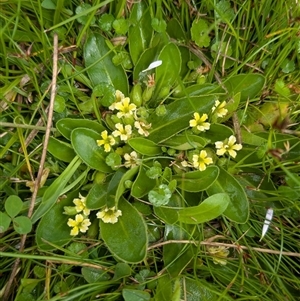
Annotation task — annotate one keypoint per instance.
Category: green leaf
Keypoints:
(281, 88)
(217, 132)
(48, 4)
(4, 222)
(53, 226)
(84, 142)
(139, 32)
(122, 270)
(224, 11)
(56, 189)
(135, 295)
(199, 32)
(144, 146)
(113, 160)
(83, 19)
(127, 239)
(97, 196)
(142, 184)
(287, 66)
(92, 275)
(155, 171)
(175, 30)
(61, 150)
(59, 104)
(105, 22)
(129, 175)
(100, 68)
(106, 92)
(169, 214)
(168, 72)
(164, 288)
(185, 141)
(147, 57)
(160, 196)
(13, 205)
(22, 224)
(120, 26)
(67, 125)
(196, 181)
(177, 256)
(250, 85)
(198, 289)
(209, 209)
(159, 25)
(238, 208)
(178, 115)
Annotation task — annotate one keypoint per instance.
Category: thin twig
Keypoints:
(9, 284)
(220, 244)
(48, 127)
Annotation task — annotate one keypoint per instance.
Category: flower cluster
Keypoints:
(219, 254)
(109, 215)
(128, 125)
(200, 124)
(81, 222)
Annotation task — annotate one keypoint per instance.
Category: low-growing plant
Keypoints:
(168, 149)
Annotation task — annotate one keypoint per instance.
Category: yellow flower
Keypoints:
(125, 108)
(131, 160)
(200, 161)
(109, 215)
(119, 97)
(228, 146)
(80, 205)
(142, 128)
(219, 254)
(124, 133)
(200, 123)
(107, 141)
(219, 108)
(79, 224)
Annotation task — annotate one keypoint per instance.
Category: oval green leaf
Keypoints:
(250, 85)
(100, 68)
(13, 205)
(135, 295)
(61, 150)
(185, 142)
(85, 145)
(139, 32)
(144, 146)
(22, 224)
(210, 208)
(238, 208)
(66, 125)
(97, 196)
(4, 222)
(168, 72)
(142, 184)
(127, 239)
(53, 226)
(196, 181)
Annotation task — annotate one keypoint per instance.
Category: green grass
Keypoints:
(152, 252)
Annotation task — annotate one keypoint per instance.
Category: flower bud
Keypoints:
(147, 94)
(136, 95)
